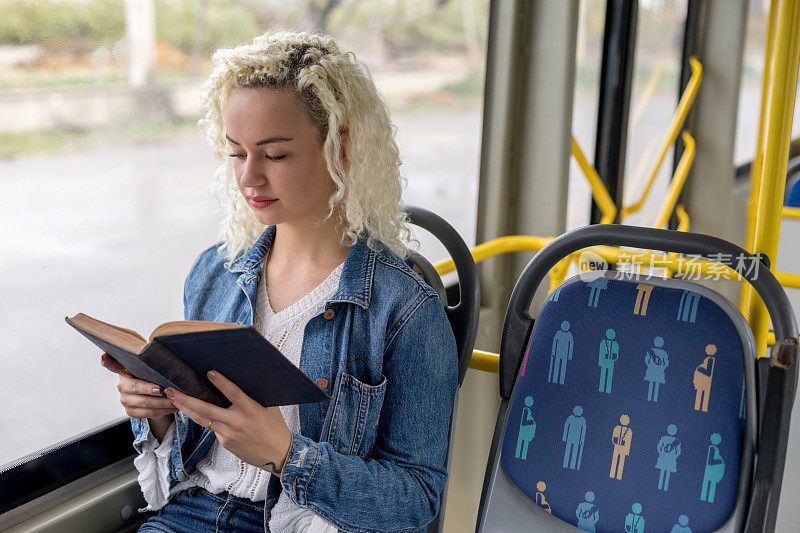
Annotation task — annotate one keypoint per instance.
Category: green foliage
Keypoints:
(223, 23)
(470, 87)
(77, 25)
(85, 26)
(32, 142)
(409, 26)
(57, 141)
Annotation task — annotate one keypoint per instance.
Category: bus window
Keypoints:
(654, 96)
(107, 179)
(750, 90)
(588, 59)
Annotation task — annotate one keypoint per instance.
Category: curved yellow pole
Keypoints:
(678, 181)
(486, 361)
(791, 212)
(500, 245)
(755, 171)
(599, 190)
(683, 218)
(782, 90)
(611, 254)
(646, 94)
(678, 119)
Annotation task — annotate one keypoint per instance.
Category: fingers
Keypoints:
(139, 401)
(136, 412)
(111, 364)
(142, 406)
(198, 410)
(229, 389)
(130, 385)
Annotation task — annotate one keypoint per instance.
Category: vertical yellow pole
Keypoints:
(755, 170)
(783, 86)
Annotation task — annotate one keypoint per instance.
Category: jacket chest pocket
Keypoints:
(356, 411)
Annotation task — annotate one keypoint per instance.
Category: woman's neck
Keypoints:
(308, 244)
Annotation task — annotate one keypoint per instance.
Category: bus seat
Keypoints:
(793, 192)
(632, 401)
(427, 271)
(463, 316)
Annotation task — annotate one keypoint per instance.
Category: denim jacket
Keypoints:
(373, 457)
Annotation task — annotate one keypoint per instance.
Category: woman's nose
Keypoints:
(252, 174)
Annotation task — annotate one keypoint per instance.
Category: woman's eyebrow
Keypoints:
(268, 140)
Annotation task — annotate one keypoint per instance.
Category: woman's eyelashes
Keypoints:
(266, 156)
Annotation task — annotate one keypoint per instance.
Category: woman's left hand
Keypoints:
(255, 434)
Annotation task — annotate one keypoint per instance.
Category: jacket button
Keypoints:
(322, 383)
(328, 314)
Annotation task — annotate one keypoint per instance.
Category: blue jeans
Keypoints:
(197, 510)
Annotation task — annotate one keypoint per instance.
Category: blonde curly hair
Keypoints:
(338, 95)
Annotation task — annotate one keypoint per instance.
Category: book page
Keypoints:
(189, 326)
(124, 338)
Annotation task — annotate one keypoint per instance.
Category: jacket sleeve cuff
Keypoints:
(141, 430)
(298, 467)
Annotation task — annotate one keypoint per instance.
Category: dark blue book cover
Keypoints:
(181, 360)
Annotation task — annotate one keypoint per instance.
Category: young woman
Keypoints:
(311, 255)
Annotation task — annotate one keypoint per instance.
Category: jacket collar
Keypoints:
(355, 285)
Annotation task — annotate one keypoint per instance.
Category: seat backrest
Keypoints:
(463, 316)
(427, 271)
(582, 439)
(793, 191)
(629, 407)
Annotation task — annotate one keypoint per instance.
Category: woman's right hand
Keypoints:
(140, 399)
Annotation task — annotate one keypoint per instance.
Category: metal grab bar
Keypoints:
(790, 212)
(678, 181)
(683, 218)
(489, 361)
(599, 191)
(485, 361)
(678, 119)
(782, 91)
(673, 263)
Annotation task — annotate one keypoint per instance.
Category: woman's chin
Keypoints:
(267, 219)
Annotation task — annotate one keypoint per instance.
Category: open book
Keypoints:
(178, 354)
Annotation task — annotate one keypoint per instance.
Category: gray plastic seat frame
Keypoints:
(463, 316)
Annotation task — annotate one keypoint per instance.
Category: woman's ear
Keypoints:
(343, 137)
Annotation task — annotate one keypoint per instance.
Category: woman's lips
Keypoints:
(260, 201)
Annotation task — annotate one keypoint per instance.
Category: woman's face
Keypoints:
(277, 156)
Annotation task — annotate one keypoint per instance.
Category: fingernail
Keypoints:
(212, 374)
(170, 393)
(157, 391)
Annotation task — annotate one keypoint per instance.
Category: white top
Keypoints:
(220, 470)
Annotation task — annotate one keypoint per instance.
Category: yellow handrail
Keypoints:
(500, 245)
(678, 119)
(683, 218)
(599, 191)
(671, 262)
(755, 172)
(678, 181)
(486, 361)
(791, 212)
(644, 97)
(782, 89)
(788, 279)
(489, 362)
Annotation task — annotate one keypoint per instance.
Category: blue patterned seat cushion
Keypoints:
(628, 410)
